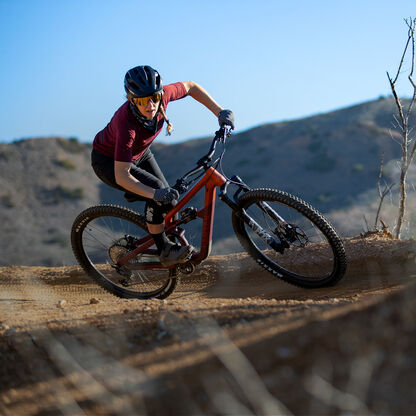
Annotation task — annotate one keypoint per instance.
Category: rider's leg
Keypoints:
(169, 252)
(147, 163)
(147, 171)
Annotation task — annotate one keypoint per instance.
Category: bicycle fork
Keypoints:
(269, 239)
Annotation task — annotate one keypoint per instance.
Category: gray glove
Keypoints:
(226, 118)
(165, 195)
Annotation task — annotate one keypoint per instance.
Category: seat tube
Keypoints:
(208, 222)
(214, 179)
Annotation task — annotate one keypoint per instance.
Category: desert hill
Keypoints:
(330, 160)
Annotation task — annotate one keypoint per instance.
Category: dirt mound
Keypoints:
(230, 340)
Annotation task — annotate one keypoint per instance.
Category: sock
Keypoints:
(160, 240)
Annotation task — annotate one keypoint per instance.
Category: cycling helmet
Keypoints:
(142, 81)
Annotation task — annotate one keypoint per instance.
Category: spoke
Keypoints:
(100, 229)
(99, 236)
(109, 219)
(143, 278)
(100, 243)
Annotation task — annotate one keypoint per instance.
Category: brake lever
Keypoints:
(226, 133)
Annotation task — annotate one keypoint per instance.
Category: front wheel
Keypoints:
(306, 251)
(103, 234)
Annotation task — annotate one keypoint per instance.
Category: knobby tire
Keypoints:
(273, 265)
(112, 211)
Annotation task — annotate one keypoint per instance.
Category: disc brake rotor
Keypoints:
(292, 234)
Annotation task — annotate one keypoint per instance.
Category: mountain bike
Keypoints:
(284, 234)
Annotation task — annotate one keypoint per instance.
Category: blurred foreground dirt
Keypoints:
(230, 340)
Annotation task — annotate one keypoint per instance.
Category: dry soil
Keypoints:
(230, 340)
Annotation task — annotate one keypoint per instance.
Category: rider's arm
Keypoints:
(199, 94)
(129, 182)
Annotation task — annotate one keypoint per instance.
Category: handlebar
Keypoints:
(220, 135)
(204, 163)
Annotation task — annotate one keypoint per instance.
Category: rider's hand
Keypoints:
(226, 118)
(165, 195)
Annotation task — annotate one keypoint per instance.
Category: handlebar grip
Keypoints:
(223, 133)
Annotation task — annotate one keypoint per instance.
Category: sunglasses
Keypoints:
(143, 101)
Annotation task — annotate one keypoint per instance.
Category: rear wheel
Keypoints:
(103, 234)
(312, 254)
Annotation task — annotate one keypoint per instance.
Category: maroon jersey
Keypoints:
(124, 139)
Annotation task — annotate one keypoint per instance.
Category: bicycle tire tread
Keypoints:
(305, 209)
(76, 235)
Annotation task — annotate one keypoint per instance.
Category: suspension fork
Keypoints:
(265, 207)
(241, 213)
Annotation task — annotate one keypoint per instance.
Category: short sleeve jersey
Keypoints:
(124, 139)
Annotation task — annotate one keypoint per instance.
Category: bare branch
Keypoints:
(380, 174)
(412, 30)
(413, 51)
(395, 139)
(409, 37)
(403, 123)
(366, 223)
(413, 149)
(382, 194)
(412, 25)
(398, 123)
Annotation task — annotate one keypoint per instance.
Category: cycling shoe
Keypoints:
(173, 254)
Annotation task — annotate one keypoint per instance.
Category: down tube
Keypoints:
(210, 180)
(207, 224)
(215, 179)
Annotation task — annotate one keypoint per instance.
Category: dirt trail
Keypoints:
(230, 340)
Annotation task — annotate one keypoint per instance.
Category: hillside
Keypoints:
(330, 160)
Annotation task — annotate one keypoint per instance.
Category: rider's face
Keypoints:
(149, 110)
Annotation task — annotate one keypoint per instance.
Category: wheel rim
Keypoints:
(105, 239)
(310, 255)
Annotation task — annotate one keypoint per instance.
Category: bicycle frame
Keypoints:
(102, 233)
(210, 180)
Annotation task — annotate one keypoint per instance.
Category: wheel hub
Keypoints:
(186, 268)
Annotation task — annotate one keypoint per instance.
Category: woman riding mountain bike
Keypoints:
(121, 155)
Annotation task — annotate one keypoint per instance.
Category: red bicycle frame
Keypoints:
(210, 180)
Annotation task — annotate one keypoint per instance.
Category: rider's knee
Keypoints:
(155, 213)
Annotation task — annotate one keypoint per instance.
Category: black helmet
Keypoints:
(143, 81)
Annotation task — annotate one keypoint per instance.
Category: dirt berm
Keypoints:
(231, 340)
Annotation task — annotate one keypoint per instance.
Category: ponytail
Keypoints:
(169, 127)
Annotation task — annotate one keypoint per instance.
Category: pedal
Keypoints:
(186, 268)
(188, 255)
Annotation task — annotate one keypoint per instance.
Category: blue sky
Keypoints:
(63, 62)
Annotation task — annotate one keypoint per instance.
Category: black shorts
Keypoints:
(145, 170)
